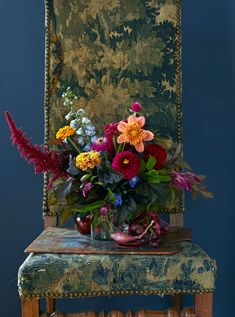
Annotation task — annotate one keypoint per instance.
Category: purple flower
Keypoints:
(181, 181)
(195, 178)
(86, 187)
(133, 181)
(118, 201)
(104, 210)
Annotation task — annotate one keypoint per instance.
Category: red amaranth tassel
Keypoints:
(44, 160)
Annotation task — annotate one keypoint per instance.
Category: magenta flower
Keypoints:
(181, 181)
(126, 163)
(111, 130)
(103, 144)
(104, 210)
(86, 187)
(136, 107)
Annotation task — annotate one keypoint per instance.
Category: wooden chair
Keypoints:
(78, 33)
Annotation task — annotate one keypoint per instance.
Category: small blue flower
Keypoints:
(89, 130)
(74, 124)
(87, 148)
(118, 201)
(133, 181)
(93, 138)
(80, 140)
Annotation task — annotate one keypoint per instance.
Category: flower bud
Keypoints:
(136, 107)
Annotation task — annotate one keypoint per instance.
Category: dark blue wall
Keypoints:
(209, 110)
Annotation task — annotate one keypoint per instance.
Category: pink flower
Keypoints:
(126, 163)
(86, 187)
(181, 181)
(136, 107)
(104, 210)
(103, 144)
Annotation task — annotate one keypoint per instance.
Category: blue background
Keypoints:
(209, 109)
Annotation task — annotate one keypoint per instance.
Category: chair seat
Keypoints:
(71, 275)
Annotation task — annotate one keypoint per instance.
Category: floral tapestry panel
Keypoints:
(112, 53)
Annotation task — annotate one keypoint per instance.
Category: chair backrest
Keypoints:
(111, 53)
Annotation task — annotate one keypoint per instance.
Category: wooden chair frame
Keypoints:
(202, 303)
(203, 308)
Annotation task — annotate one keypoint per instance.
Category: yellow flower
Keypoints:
(87, 160)
(65, 132)
(133, 133)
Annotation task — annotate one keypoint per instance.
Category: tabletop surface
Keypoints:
(70, 241)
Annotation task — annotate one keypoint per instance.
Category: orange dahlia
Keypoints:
(133, 133)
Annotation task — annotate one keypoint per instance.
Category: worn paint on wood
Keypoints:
(68, 241)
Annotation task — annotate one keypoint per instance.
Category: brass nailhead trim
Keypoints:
(116, 293)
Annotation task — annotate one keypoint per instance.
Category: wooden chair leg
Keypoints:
(177, 301)
(30, 307)
(50, 305)
(188, 312)
(203, 305)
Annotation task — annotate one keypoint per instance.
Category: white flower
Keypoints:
(80, 112)
(86, 120)
(74, 124)
(79, 131)
(80, 140)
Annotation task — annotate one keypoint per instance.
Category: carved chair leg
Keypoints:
(177, 301)
(188, 312)
(50, 305)
(203, 305)
(30, 307)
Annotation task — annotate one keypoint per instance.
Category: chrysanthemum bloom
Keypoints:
(103, 144)
(65, 132)
(127, 163)
(158, 152)
(87, 160)
(133, 133)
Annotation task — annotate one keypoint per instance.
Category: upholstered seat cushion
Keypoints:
(71, 275)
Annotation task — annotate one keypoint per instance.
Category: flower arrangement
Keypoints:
(121, 177)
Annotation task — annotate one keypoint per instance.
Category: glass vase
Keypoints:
(101, 231)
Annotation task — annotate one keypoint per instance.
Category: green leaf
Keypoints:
(155, 177)
(111, 196)
(72, 169)
(127, 208)
(89, 207)
(85, 177)
(142, 167)
(151, 163)
(52, 200)
(152, 177)
(107, 175)
(65, 214)
(65, 188)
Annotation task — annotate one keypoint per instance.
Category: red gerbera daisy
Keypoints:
(158, 152)
(127, 163)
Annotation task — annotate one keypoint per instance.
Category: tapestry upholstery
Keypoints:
(112, 53)
(70, 275)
